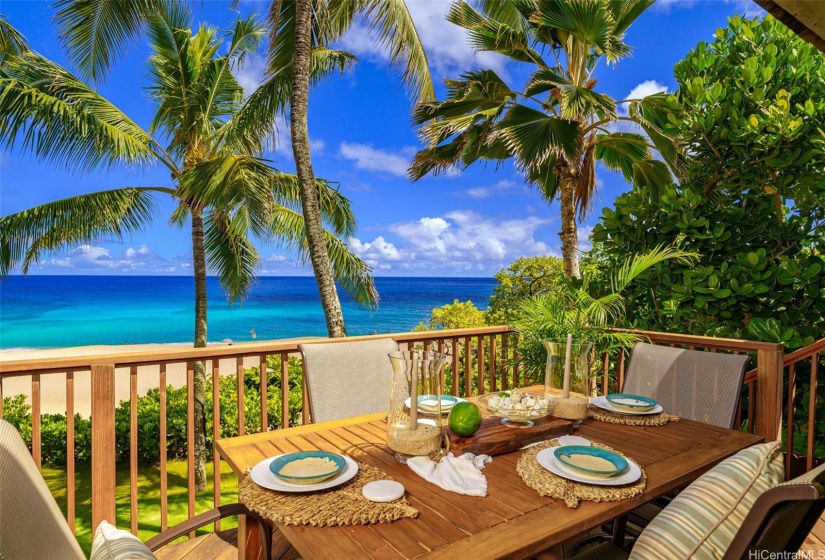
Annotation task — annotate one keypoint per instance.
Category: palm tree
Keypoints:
(558, 127)
(96, 33)
(301, 27)
(212, 138)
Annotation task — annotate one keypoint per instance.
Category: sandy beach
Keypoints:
(53, 386)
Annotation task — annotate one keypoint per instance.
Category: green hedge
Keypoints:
(53, 426)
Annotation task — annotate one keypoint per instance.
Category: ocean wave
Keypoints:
(21, 349)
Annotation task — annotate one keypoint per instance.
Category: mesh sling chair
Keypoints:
(347, 378)
(692, 384)
(33, 527)
(779, 521)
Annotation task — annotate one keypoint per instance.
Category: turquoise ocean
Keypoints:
(62, 311)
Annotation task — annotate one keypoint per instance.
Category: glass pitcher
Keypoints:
(414, 419)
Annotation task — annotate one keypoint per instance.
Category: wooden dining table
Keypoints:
(512, 521)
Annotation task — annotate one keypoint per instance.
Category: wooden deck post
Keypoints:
(769, 374)
(103, 444)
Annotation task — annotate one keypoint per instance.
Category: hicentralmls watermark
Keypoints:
(799, 555)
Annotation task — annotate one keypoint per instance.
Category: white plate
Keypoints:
(444, 409)
(547, 460)
(573, 440)
(262, 476)
(603, 403)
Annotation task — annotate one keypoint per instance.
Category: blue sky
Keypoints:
(470, 224)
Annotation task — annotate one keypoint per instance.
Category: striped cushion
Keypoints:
(110, 543)
(701, 521)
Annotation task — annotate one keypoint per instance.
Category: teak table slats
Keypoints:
(513, 521)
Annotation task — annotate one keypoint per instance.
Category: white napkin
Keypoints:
(456, 474)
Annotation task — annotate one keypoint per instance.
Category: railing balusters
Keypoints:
(104, 452)
(190, 439)
(620, 377)
(70, 473)
(164, 488)
(216, 434)
(133, 450)
(605, 373)
(454, 346)
(751, 407)
(516, 372)
(468, 367)
(812, 410)
(480, 364)
(1, 397)
(284, 390)
(789, 420)
(36, 449)
(492, 362)
(505, 359)
(262, 367)
(240, 385)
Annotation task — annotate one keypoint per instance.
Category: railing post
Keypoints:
(769, 374)
(103, 444)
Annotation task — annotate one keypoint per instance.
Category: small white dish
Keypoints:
(262, 476)
(383, 490)
(547, 460)
(573, 440)
(602, 403)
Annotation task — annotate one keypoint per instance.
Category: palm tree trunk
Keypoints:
(569, 231)
(199, 258)
(299, 103)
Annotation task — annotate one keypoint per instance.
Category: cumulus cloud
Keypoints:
(394, 162)
(458, 242)
(747, 8)
(251, 73)
(446, 45)
(640, 91)
(90, 258)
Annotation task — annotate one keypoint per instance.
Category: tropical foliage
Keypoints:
(456, 315)
(524, 278)
(204, 132)
(586, 311)
(557, 126)
(751, 108)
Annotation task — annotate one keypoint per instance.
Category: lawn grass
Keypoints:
(148, 497)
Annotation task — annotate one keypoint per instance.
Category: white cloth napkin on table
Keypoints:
(457, 474)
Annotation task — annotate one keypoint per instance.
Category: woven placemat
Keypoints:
(552, 486)
(342, 505)
(602, 415)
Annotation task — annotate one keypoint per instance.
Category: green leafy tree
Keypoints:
(586, 311)
(751, 108)
(456, 315)
(526, 277)
(557, 126)
(203, 132)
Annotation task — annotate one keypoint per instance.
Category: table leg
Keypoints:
(250, 544)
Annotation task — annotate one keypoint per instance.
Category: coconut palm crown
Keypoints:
(204, 131)
(558, 126)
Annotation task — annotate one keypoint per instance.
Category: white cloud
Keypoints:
(446, 45)
(459, 242)
(366, 157)
(479, 193)
(584, 233)
(251, 74)
(90, 258)
(747, 8)
(642, 90)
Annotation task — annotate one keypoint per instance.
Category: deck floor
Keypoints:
(224, 546)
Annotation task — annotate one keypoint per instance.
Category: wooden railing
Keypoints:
(481, 359)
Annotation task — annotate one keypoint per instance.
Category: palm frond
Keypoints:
(488, 34)
(637, 265)
(96, 33)
(27, 235)
(535, 136)
(336, 210)
(395, 29)
(625, 12)
(60, 119)
(229, 252)
(11, 40)
(652, 175)
(620, 151)
(353, 273)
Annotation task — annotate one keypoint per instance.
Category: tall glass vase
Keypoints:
(580, 380)
(414, 419)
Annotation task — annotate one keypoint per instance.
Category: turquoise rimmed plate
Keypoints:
(631, 403)
(591, 461)
(280, 463)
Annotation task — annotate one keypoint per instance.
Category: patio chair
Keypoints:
(33, 527)
(779, 521)
(347, 378)
(692, 384)
(701, 386)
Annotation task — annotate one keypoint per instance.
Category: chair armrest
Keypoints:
(211, 516)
